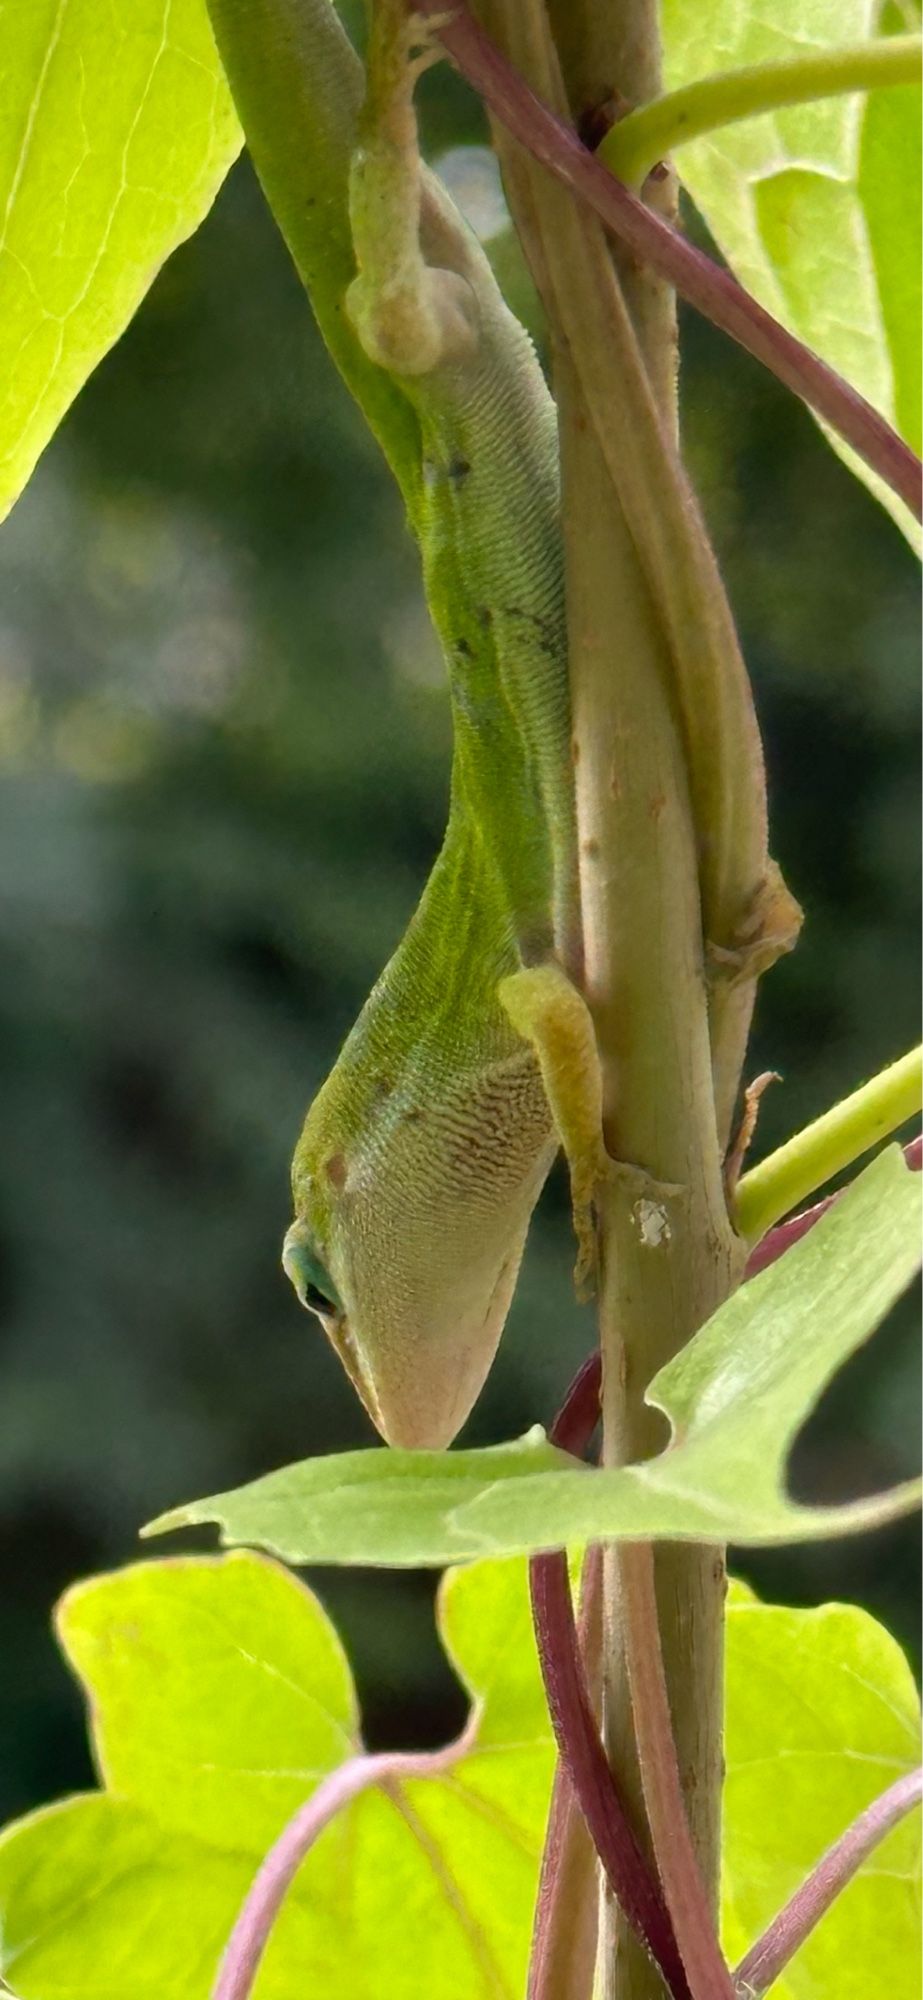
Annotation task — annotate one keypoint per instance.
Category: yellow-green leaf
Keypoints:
(822, 1716)
(219, 1699)
(130, 1894)
(817, 206)
(117, 132)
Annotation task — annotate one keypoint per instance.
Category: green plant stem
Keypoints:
(786, 1178)
(638, 141)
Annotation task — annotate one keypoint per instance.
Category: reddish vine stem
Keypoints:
(713, 291)
(787, 1932)
(580, 1747)
(562, 1959)
(687, 1900)
(250, 1936)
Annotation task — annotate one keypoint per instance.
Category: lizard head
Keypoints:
(316, 1291)
(406, 1247)
(419, 1369)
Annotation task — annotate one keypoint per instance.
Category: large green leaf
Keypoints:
(293, 1709)
(219, 1682)
(117, 132)
(735, 1398)
(99, 1903)
(816, 207)
(219, 1698)
(821, 1716)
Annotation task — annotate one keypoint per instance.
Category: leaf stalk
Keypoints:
(643, 137)
(788, 1931)
(833, 1141)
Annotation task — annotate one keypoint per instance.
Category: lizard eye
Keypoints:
(313, 1284)
(316, 1301)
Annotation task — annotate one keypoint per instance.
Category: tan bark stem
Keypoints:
(668, 1253)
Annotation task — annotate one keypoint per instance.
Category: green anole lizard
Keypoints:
(423, 1155)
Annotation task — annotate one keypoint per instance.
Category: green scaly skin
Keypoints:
(423, 1154)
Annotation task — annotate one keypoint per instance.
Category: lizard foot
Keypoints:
(423, 47)
(547, 1010)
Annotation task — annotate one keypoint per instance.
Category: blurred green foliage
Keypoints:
(224, 753)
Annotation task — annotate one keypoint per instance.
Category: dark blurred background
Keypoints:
(224, 749)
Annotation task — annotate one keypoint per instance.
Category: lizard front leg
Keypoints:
(547, 1010)
(410, 318)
